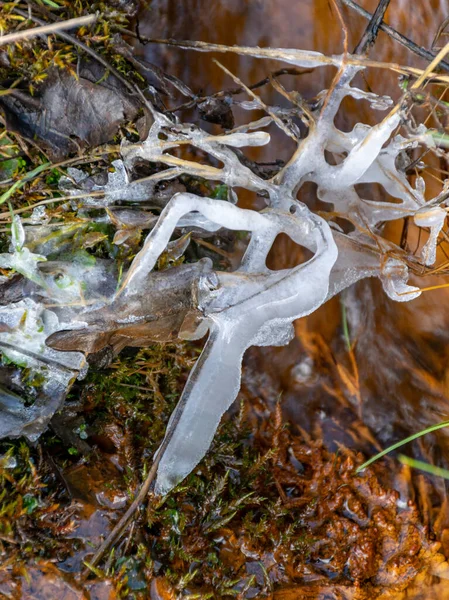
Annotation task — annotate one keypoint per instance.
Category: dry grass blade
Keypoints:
(11, 38)
(427, 74)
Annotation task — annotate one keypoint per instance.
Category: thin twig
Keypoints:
(423, 79)
(118, 530)
(11, 38)
(238, 90)
(343, 26)
(398, 37)
(370, 34)
(436, 62)
(39, 357)
(5, 217)
(439, 32)
(45, 167)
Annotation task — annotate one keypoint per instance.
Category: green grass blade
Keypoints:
(52, 4)
(415, 436)
(423, 466)
(344, 321)
(21, 182)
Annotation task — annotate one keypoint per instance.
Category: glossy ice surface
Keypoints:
(251, 305)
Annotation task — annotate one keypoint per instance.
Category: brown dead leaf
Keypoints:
(71, 113)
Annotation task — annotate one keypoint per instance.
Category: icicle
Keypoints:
(434, 218)
(251, 305)
(394, 277)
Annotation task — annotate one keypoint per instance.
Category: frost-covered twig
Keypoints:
(301, 58)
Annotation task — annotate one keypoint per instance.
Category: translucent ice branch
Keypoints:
(218, 211)
(233, 173)
(252, 307)
(434, 218)
(21, 259)
(394, 276)
(302, 58)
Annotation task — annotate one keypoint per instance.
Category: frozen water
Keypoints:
(250, 305)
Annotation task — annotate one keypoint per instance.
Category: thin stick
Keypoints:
(38, 357)
(370, 34)
(425, 75)
(118, 530)
(238, 90)
(11, 38)
(266, 108)
(292, 56)
(5, 217)
(435, 63)
(426, 289)
(116, 533)
(395, 35)
(439, 32)
(44, 167)
(343, 25)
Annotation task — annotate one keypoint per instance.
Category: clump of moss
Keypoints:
(29, 510)
(41, 499)
(265, 510)
(31, 61)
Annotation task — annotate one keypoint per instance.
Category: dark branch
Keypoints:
(398, 37)
(372, 29)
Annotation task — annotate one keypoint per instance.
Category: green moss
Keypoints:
(31, 60)
(136, 396)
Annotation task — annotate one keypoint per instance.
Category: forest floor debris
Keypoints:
(270, 511)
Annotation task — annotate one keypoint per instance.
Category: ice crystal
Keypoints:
(250, 305)
(20, 259)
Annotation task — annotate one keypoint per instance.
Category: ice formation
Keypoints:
(250, 305)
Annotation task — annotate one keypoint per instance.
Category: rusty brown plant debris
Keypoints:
(268, 513)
